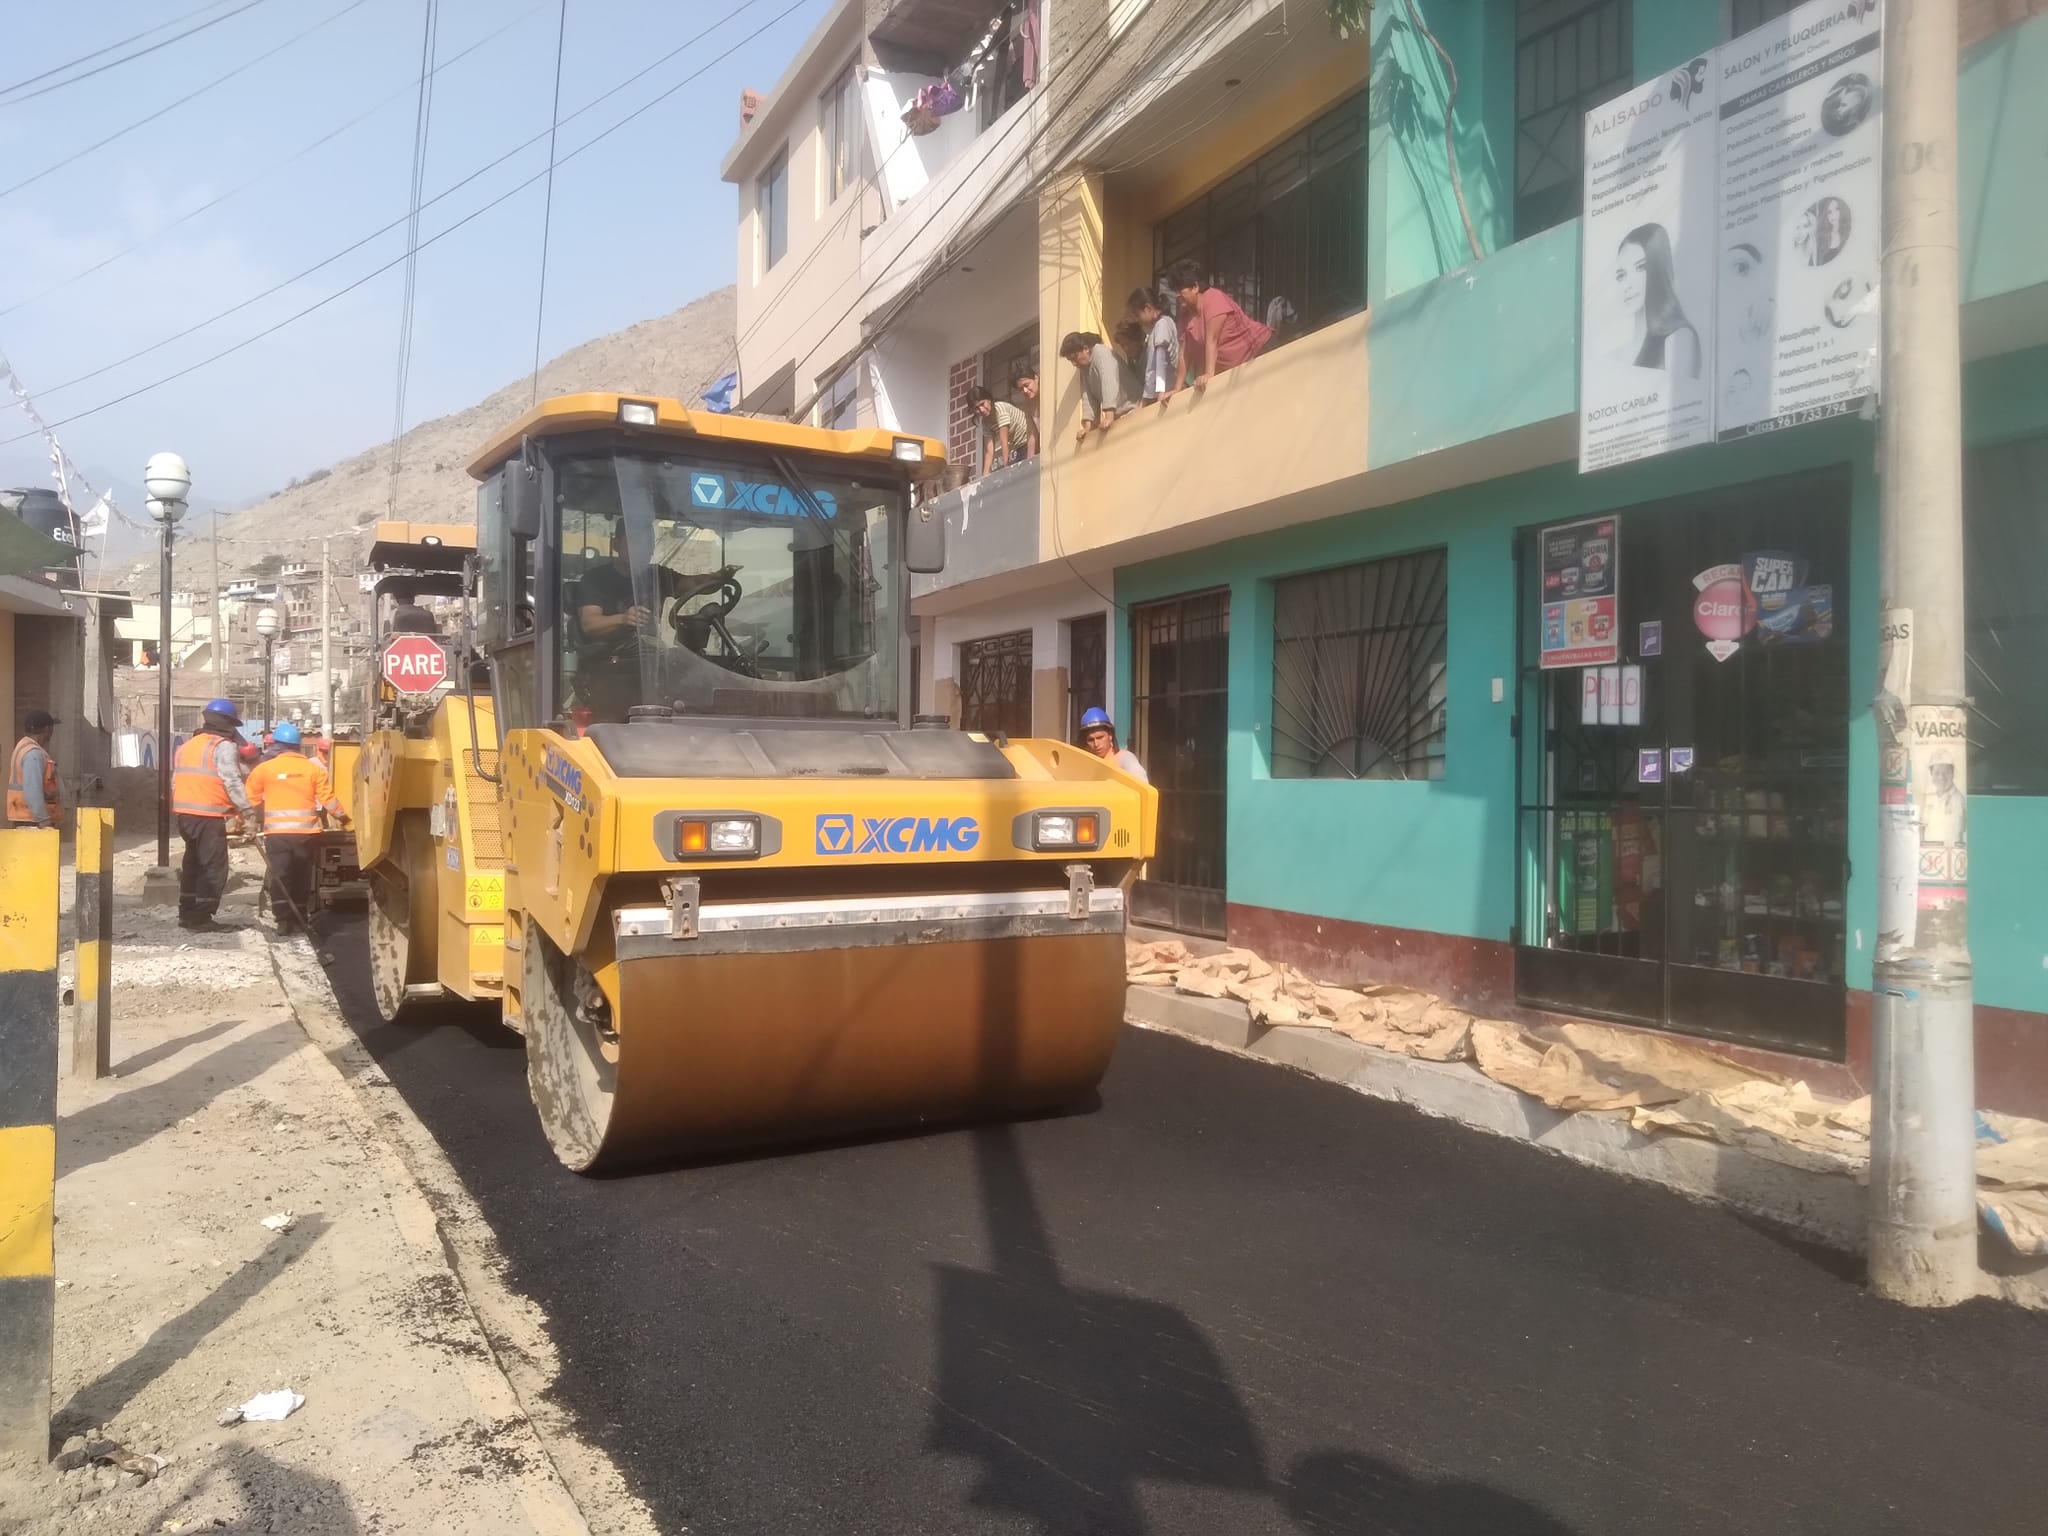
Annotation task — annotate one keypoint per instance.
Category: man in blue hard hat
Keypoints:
(1098, 735)
(207, 795)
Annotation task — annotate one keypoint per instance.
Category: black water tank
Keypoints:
(44, 511)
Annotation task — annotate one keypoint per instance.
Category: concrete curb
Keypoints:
(1829, 1207)
(449, 1236)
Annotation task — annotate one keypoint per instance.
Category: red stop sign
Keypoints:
(414, 664)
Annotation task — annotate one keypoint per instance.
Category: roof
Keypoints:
(771, 123)
(591, 412)
(421, 546)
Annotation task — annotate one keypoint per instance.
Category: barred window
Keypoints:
(1748, 15)
(1358, 671)
(2005, 536)
(1569, 55)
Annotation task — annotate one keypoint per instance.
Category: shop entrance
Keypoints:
(1180, 655)
(1684, 765)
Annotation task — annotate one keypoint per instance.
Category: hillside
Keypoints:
(675, 354)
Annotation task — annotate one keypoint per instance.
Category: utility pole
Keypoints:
(326, 641)
(220, 642)
(1923, 1208)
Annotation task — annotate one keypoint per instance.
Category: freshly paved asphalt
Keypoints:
(1230, 1300)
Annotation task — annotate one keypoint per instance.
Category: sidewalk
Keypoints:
(175, 1302)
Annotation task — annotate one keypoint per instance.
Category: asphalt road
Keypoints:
(1230, 1300)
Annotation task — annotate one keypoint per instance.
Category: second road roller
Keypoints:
(641, 771)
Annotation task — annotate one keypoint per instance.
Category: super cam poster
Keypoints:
(1800, 185)
(1647, 279)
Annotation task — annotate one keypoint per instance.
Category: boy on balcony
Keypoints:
(1005, 432)
(1159, 365)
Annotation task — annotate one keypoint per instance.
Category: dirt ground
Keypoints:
(175, 1303)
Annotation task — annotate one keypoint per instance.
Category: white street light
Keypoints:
(266, 622)
(166, 478)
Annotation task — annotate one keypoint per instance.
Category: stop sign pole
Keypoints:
(414, 664)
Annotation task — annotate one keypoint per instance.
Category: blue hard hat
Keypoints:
(223, 707)
(286, 735)
(1091, 718)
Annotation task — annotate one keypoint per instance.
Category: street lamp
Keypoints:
(167, 483)
(266, 626)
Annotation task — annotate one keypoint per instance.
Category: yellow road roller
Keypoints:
(663, 800)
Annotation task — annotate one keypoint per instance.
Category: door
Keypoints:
(1087, 669)
(1180, 650)
(995, 684)
(1684, 808)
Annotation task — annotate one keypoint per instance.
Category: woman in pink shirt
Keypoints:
(1214, 333)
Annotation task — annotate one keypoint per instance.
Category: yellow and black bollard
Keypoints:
(92, 1015)
(28, 1136)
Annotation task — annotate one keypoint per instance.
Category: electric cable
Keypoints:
(15, 92)
(547, 217)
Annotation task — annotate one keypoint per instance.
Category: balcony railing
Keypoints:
(992, 529)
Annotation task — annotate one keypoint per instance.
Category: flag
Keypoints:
(719, 396)
(94, 523)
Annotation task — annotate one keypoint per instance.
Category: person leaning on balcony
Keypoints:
(1024, 391)
(1005, 433)
(1159, 369)
(1105, 391)
(1214, 333)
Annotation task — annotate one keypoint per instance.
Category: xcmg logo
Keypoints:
(775, 500)
(839, 833)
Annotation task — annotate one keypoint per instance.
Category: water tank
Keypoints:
(44, 511)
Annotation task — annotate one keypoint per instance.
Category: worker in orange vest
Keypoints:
(33, 798)
(206, 797)
(293, 792)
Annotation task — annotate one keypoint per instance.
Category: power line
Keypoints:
(275, 166)
(11, 90)
(422, 125)
(217, 80)
(318, 304)
(482, 170)
(547, 217)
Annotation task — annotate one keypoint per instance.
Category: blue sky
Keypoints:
(641, 222)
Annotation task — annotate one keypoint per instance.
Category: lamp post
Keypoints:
(167, 482)
(266, 626)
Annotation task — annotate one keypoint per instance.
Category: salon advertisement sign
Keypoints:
(1729, 240)
(1647, 270)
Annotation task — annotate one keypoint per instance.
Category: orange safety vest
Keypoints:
(196, 786)
(17, 791)
(292, 790)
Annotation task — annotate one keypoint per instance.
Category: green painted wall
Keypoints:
(2002, 109)
(1442, 856)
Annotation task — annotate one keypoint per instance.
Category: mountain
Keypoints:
(677, 354)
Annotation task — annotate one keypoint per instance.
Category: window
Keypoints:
(1087, 669)
(2005, 540)
(839, 401)
(1285, 236)
(1358, 671)
(839, 128)
(1748, 15)
(771, 196)
(1569, 55)
(995, 684)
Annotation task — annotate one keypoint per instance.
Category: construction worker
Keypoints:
(1098, 735)
(33, 799)
(292, 791)
(208, 799)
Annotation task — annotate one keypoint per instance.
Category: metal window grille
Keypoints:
(1087, 669)
(1359, 671)
(1569, 55)
(2005, 539)
(1285, 236)
(838, 404)
(995, 684)
(1180, 686)
(1748, 15)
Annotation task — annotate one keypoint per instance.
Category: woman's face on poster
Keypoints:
(1631, 277)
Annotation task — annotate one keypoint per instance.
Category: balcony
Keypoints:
(992, 531)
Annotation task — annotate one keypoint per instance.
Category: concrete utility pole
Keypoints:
(220, 639)
(1923, 1208)
(326, 643)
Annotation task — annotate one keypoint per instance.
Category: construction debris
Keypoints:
(1664, 1086)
